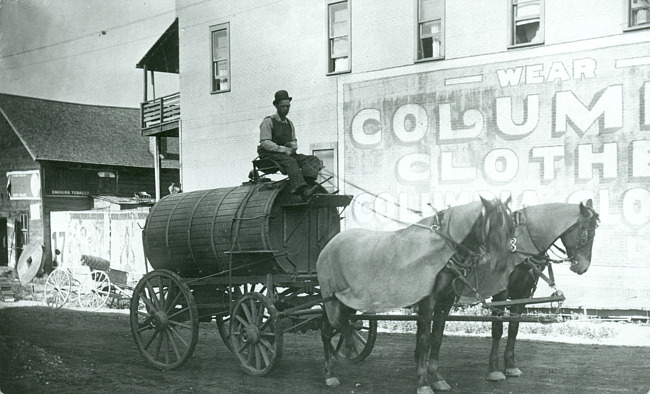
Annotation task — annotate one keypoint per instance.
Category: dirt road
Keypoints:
(66, 351)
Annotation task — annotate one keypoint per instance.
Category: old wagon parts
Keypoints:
(57, 288)
(164, 319)
(94, 290)
(30, 262)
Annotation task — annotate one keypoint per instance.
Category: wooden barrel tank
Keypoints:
(252, 229)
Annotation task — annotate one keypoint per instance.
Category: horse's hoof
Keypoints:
(332, 382)
(441, 385)
(496, 376)
(425, 390)
(513, 372)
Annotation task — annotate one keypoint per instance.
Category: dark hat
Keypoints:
(281, 95)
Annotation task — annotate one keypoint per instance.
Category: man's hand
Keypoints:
(292, 147)
(287, 150)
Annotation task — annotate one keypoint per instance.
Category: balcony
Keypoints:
(161, 116)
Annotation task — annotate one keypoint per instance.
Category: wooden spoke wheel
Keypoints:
(223, 326)
(164, 319)
(57, 288)
(223, 322)
(254, 334)
(362, 337)
(94, 290)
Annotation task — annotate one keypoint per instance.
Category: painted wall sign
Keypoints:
(24, 185)
(561, 128)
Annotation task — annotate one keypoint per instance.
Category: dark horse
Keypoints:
(537, 228)
(377, 271)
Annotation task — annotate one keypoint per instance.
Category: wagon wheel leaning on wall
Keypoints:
(57, 288)
(164, 319)
(255, 334)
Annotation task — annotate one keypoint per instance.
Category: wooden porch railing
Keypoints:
(159, 111)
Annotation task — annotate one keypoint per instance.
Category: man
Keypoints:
(278, 143)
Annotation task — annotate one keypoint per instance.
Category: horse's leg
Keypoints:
(509, 354)
(347, 332)
(327, 333)
(444, 302)
(423, 343)
(522, 284)
(494, 373)
(440, 313)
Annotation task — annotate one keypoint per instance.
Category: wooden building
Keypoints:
(58, 156)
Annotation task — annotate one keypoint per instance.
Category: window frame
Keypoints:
(23, 219)
(333, 184)
(418, 25)
(628, 18)
(330, 64)
(213, 63)
(512, 20)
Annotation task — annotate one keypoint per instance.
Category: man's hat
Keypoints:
(281, 95)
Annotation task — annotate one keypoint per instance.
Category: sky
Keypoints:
(81, 51)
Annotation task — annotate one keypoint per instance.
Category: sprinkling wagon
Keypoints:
(243, 256)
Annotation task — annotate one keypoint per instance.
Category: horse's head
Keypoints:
(579, 239)
(496, 231)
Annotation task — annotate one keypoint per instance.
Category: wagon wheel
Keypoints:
(94, 290)
(364, 335)
(255, 335)
(223, 326)
(57, 288)
(223, 321)
(164, 319)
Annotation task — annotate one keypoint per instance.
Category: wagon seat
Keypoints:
(262, 167)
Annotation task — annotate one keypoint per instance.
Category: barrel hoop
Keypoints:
(236, 220)
(264, 229)
(145, 244)
(214, 219)
(189, 224)
(169, 219)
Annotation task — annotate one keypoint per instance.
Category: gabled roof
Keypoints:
(78, 133)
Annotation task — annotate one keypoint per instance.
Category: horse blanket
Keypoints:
(536, 229)
(376, 271)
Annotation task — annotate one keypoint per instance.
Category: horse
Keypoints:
(537, 228)
(365, 270)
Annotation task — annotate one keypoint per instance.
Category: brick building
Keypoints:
(431, 101)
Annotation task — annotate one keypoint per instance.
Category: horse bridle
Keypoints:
(586, 236)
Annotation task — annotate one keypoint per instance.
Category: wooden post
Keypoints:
(145, 83)
(157, 167)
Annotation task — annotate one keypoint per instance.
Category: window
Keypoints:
(107, 183)
(527, 22)
(639, 13)
(328, 176)
(23, 227)
(339, 37)
(220, 39)
(430, 16)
